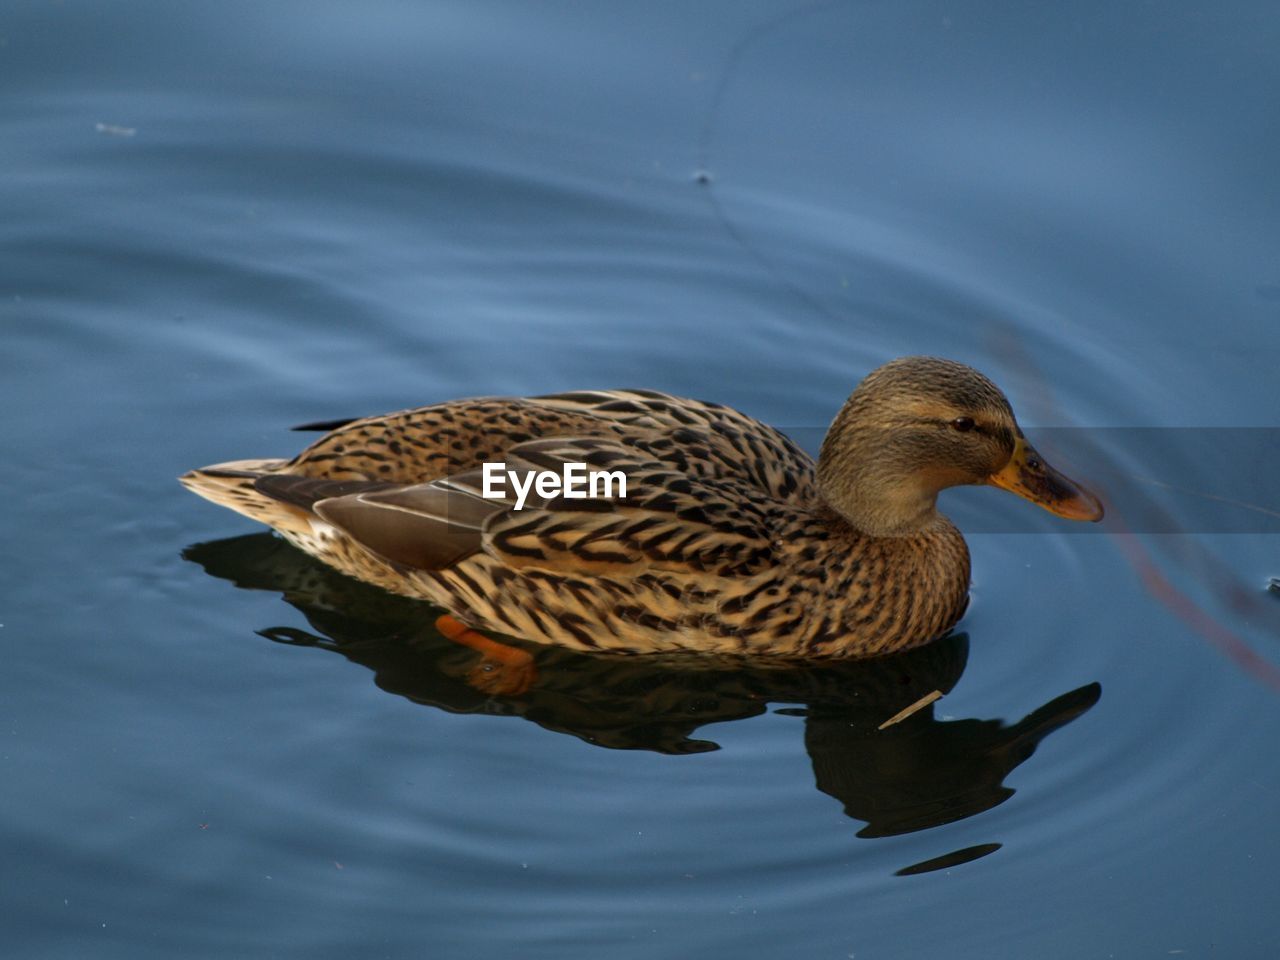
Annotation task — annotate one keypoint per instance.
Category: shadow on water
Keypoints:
(913, 774)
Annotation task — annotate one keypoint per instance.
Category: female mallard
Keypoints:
(728, 539)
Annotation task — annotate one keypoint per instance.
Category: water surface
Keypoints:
(222, 222)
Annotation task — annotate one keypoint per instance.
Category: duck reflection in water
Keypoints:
(913, 773)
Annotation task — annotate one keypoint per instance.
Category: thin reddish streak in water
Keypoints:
(1160, 587)
(1139, 558)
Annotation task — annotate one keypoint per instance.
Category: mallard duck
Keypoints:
(729, 538)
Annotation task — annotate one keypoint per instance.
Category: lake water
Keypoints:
(222, 220)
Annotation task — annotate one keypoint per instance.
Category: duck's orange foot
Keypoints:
(503, 670)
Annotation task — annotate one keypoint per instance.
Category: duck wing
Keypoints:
(668, 520)
(705, 440)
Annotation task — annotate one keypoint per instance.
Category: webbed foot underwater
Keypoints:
(729, 537)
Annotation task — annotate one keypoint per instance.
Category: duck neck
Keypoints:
(898, 519)
(876, 501)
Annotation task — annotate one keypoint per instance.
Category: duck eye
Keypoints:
(963, 424)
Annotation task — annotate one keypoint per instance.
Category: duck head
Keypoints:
(918, 425)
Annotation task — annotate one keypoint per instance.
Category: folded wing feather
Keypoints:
(667, 518)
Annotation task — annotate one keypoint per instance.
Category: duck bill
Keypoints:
(1030, 477)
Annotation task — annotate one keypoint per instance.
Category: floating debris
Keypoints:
(115, 130)
(919, 705)
(1274, 585)
(702, 177)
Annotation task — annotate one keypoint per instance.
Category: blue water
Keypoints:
(220, 221)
